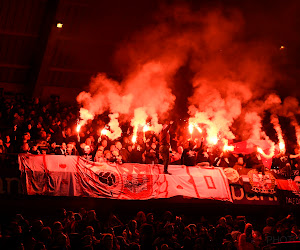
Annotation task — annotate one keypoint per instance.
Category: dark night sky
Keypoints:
(269, 23)
(275, 22)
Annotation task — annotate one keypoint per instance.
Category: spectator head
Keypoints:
(7, 139)
(39, 246)
(140, 217)
(91, 215)
(70, 148)
(169, 228)
(113, 148)
(25, 147)
(270, 222)
(19, 218)
(99, 154)
(48, 137)
(77, 216)
(248, 229)
(191, 144)
(150, 218)
(37, 225)
(46, 233)
(222, 221)
(36, 101)
(70, 215)
(228, 237)
(87, 240)
(193, 228)
(53, 145)
(132, 225)
(118, 145)
(115, 153)
(57, 227)
(88, 141)
(89, 231)
(186, 145)
(43, 135)
(104, 143)
(68, 131)
(39, 125)
(107, 241)
(164, 247)
(83, 212)
(241, 160)
(146, 233)
(180, 150)
(15, 228)
(26, 136)
(187, 232)
(107, 155)
(295, 229)
(167, 217)
(229, 219)
(43, 150)
(125, 140)
(134, 246)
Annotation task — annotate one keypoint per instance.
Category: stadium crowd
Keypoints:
(27, 126)
(84, 230)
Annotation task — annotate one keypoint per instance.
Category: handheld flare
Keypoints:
(104, 131)
(199, 129)
(228, 148)
(282, 146)
(191, 128)
(78, 127)
(259, 150)
(213, 140)
(134, 139)
(146, 128)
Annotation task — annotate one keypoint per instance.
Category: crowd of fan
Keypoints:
(29, 127)
(83, 230)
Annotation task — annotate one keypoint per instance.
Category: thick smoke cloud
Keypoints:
(233, 75)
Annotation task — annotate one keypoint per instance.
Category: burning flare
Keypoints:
(226, 147)
(275, 122)
(212, 140)
(259, 150)
(199, 129)
(104, 131)
(146, 128)
(134, 137)
(191, 128)
(282, 147)
(78, 127)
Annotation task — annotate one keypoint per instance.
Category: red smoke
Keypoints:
(232, 75)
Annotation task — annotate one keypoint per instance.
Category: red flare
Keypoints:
(213, 140)
(78, 127)
(134, 137)
(281, 146)
(146, 128)
(199, 129)
(228, 148)
(191, 128)
(104, 131)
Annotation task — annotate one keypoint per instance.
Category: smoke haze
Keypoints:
(233, 76)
